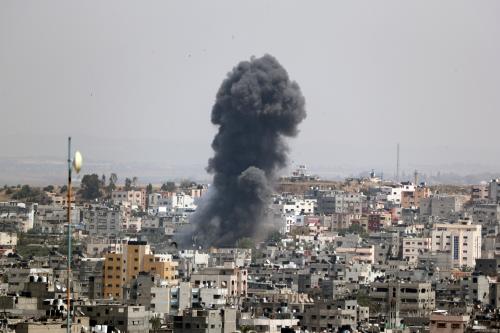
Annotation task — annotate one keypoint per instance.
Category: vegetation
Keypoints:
(30, 194)
(168, 187)
(90, 187)
(128, 184)
(245, 243)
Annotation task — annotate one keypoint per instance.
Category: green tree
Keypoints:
(134, 182)
(49, 188)
(63, 189)
(149, 188)
(90, 187)
(29, 194)
(155, 323)
(113, 178)
(128, 184)
(168, 187)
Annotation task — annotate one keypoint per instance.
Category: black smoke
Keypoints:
(256, 107)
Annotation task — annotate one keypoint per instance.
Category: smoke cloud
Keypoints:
(256, 107)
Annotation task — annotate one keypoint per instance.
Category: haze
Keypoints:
(134, 82)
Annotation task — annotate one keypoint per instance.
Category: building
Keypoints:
(228, 276)
(441, 322)
(413, 247)
(442, 205)
(494, 190)
(479, 193)
(330, 316)
(104, 221)
(206, 321)
(461, 241)
(409, 298)
(122, 267)
(136, 199)
(126, 318)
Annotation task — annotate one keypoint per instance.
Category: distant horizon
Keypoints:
(42, 171)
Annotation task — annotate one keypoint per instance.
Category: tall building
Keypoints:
(494, 190)
(462, 241)
(122, 267)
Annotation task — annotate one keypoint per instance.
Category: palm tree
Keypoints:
(155, 323)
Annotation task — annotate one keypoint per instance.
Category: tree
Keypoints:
(128, 184)
(149, 188)
(155, 323)
(103, 180)
(63, 189)
(91, 186)
(187, 183)
(168, 187)
(134, 182)
(29, 194)
(49, 188)
(113, 178)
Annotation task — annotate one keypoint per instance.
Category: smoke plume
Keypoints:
(256, 107)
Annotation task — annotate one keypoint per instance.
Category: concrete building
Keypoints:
(413, 247)
(479, 193)
(494, 190)
(122, 267)
(326, 316)
(441, 322)
(408, 298)
(126, 318)
(206, 321)
(228, 276)
(104, 221)
(461, 241)
(442, 205)
(340, 202)
(136, 199)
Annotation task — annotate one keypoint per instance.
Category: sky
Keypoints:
(133, 83)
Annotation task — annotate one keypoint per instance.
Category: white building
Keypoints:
(462, 241)
(174, 203)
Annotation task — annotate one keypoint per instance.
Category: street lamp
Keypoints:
(76, 164)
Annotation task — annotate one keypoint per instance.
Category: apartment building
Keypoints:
(122, 267)
(132, 198)
(413, 247)
(461, 241)
(409, 298)
(228, 276)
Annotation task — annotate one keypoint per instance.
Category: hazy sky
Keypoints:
(135, 81)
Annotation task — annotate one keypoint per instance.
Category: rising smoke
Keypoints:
(256, 107)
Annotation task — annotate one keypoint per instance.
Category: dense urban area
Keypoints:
(364, 255)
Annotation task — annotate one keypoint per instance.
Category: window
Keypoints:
(441, 325)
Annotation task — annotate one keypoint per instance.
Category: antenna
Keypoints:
(397, 163)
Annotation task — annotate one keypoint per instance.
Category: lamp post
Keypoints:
(76, 164)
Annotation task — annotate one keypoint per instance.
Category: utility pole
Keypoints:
(77, 164)
(68, 286)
